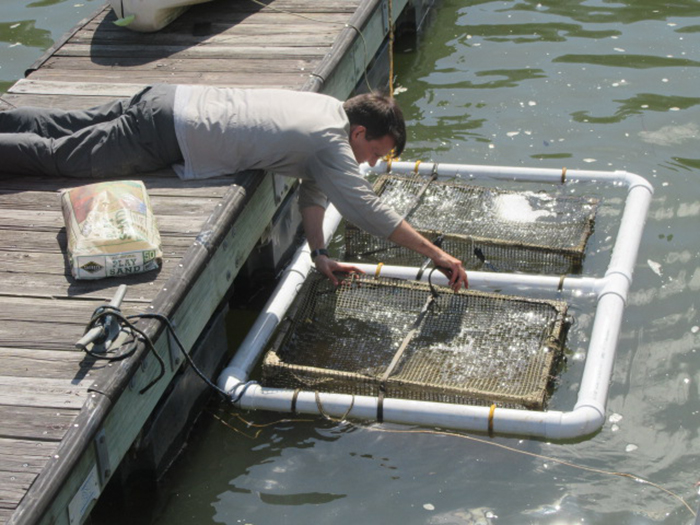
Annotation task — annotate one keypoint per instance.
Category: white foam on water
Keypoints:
(517, 208)
(671, 135)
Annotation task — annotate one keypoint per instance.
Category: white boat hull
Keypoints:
(150, 15)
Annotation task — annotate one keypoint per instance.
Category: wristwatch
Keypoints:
(320, 251)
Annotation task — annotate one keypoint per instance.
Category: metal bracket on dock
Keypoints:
(83, 498)
(102, 454)
(174, 351)
(386, 23)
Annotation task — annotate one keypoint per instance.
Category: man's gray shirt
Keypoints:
(296, 134)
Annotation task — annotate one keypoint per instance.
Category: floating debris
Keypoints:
(655, 267)
(615, 418)
(671, 135)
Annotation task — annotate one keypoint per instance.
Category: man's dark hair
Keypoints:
(380, 115)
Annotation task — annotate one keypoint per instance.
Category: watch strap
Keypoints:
(320, 251)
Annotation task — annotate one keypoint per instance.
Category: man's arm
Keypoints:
(404, 235)
(312, 220)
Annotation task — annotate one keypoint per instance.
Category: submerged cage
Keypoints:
(486, 228)
(410, 340)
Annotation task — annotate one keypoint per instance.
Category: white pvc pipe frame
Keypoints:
(588, 414)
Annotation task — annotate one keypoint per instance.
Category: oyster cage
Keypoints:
(370, 334)
(487, 228)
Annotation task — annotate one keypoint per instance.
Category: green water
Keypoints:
(28, 29)
(584, 84)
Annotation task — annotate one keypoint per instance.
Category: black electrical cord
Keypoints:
(166, 321)
(480, 255)
(104, 311)
(433, 292)
(437, 242)
(100, 315)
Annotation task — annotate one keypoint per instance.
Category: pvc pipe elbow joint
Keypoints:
(230, 378)
(634, 181)
(582, 421)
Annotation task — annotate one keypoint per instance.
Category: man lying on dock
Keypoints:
(203, 132)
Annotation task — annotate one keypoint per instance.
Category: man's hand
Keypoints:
(405, 235)
(453, 269)
(328, 267)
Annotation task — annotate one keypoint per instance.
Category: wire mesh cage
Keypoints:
(487, 228)
(411, 340)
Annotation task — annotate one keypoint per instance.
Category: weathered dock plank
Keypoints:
(185, 51)
(163, 182)
(52, 221)
(205, 50)
(41, 425)
(21, 455)
(13, 485)
(213, 33)
(31, 241)
(54, 393)
(45, 335)
(53, 285)
(25, 362)
(214, 13)
(212, 65)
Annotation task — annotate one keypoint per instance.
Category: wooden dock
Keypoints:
(66, 421)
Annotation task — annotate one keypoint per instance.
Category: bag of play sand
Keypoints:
(111, 230)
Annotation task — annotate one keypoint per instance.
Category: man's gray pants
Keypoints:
(116, 140)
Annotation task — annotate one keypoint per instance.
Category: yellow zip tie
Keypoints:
(415, 168)
(378, 271)
(491, 413)
(563, 175)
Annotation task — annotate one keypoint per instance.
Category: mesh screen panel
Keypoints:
(469, 347)
(515, 231)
